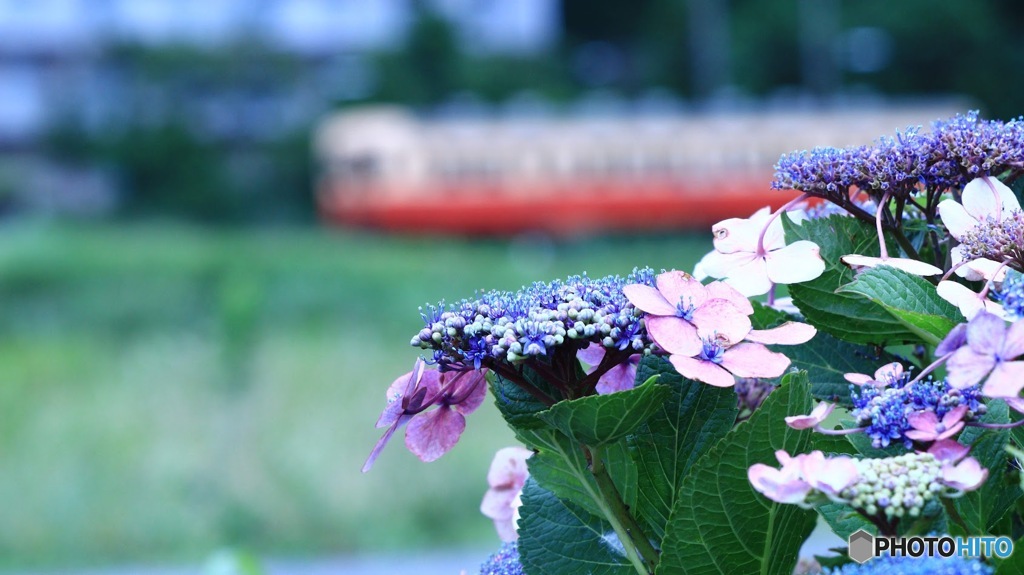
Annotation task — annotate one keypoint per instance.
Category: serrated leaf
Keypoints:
(911, 299)
(982, 508)
(560, 538)
(1014, 564)
(598, 420)
(843, 520)
(719, 523)
(849, 317)
(516, 405)
(825, 358)
(560, 466)
(693, 417)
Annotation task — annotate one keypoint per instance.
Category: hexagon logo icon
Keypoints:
(861, 546)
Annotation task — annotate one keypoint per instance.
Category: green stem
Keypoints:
(638, 547)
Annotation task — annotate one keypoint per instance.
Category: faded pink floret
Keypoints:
(885, 375)
(505, 480)
(430, 432)
(619, 378)
(927, 426)
(967, 475)
(802, 474)
(990, 347)
(813, 419)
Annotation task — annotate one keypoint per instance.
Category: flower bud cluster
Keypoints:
(882, 408)
(996, 240)
(895, 486)
(954, 152)
(1011, 294)
(507, 326)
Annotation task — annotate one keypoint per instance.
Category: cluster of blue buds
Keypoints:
(888, 565)
(1011, 294)
(997, 240)
(883, 409)
(532, 322)
(953, 153)
(504, 562)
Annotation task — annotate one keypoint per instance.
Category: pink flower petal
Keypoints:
(720, 318)
(956, 219)
(1015, 403)
(961, 296)
(432, 433)
(508, 468)
(789, 333)
(473, 383)
(951, 430)
(923, 420)
(828, 475)
(674, 334)
(591, 355)
(648, 300)
(1013, 345)
(754, 360)
(1006, 380)
(858, 378)
(986, 333)
(889, 372)
(965, 476)
(967, 367)
(619, 378)
(722, 290)
(383, 441)
(700, 370)
(795, 263)
(817, 415)
(948, 451)
(677, 286)
(778, 485)
(953, 341)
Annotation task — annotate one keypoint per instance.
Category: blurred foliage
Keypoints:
(212, 389)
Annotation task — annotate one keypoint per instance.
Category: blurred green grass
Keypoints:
(168, 390)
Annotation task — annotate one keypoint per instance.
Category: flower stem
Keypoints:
(639, 549)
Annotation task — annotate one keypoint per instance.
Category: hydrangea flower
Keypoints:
(801, 475)
(504, 562)
(1011, 295)
(813, 419)
(884, 410)
(505, 480)
(431, 432)
(986, 202)
(927, 426)
(752, 255)
(888, 374)
(987, 356)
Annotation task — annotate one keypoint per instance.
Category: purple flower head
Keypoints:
(431, 432)
(887, 410)
(989, 354)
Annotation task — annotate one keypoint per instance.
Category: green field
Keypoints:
(170, 390)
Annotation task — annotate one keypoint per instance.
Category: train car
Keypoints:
(385, 168)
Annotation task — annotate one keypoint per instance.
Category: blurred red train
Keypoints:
(384, 168)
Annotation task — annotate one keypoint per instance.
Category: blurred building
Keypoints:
(55, 55)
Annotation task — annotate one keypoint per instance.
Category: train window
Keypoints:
(361, 167)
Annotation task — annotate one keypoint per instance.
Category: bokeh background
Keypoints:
(192, 359)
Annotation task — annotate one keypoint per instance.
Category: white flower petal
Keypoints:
(964, 271)
(962, 297)
(751, 278)
(795, 263)
(914, 267)
(956, 218)
(736, 235)
(719, 265)
(986, 269)
(988, 197)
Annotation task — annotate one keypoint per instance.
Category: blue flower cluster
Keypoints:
(532, 322)
(954, 152)
(883, 409)
(1011, 294)
(504, 562)
(914, 566)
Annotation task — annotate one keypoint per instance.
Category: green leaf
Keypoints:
(693, 417)
(560, 538)
(560, 466)
(516, 405)
(911, 299)
(843, 519)
(849, 317)
(825, 358)
(982, 508)
(719, 523)
(1014, 564)
(598, 420)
